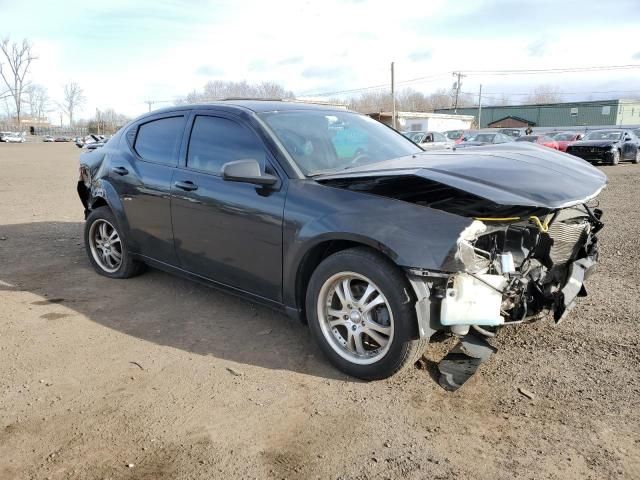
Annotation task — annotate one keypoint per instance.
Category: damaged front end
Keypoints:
(530, 243)
(514, 272)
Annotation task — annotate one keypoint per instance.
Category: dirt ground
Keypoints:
(157, 377)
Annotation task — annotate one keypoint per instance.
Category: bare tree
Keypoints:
(18, 58)
(106, 121)
(544, 94)
(73, 98)
(37, 98)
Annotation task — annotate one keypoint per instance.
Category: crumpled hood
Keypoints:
(519, 174)
(594, 143)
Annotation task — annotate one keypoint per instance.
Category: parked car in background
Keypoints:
(563, 139)
(48, 138)
(459, 136)
(540, 140)
(62, 139)
(93, 141)
(485, 138)
(431, 140)
(610, 146)
(13, 137)
(512, 132)
(378, 248)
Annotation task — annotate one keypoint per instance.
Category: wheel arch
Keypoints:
(103, 194)
(320, 251)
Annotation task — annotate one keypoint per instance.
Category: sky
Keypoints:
(125, 52)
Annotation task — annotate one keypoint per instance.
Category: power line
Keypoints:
(533, 71)
(376, 87)
(555, 93)
(482, 72)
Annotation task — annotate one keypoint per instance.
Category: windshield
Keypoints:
(323, 141)
(604, 135)
(482, 137)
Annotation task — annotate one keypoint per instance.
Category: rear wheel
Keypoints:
(361, 316)
(106, 246)
(636, 159)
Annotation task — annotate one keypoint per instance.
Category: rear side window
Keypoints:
(159, 140)
(216, 141)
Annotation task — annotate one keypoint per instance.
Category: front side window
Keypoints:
(320, 141)
(159, 140)
(216, 141)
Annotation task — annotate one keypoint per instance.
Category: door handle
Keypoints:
(120, 170)
(186, 185)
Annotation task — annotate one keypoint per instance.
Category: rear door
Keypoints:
(230, 232)
(142, 179)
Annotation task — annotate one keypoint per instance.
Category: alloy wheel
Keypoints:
(355, 318)
(106, 246)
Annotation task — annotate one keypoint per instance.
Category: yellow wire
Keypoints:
(543, 227)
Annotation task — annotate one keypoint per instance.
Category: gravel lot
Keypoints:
(156, 377)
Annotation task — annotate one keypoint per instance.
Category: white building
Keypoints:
(425, 121)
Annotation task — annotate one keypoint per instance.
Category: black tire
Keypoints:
(404, 349)
(615, 157)
(128, 267)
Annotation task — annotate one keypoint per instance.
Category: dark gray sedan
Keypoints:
(343, 222)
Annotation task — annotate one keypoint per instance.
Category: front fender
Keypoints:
(410, 235)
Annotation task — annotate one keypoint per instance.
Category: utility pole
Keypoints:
(456, 85)
(480, 108)
(393, 99)
(149, 102)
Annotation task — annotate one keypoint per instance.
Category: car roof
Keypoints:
(255, 105)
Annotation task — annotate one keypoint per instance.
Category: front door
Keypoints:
(226, 231)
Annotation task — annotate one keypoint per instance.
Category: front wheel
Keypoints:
(362, 316)
(636, 159)
(615, 157)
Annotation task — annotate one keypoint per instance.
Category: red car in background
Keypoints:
(540, 140)
(565, 138)
(459, 136)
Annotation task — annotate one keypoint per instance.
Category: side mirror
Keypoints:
(247, 171)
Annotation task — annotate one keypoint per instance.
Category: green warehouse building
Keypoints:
(574, 114)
